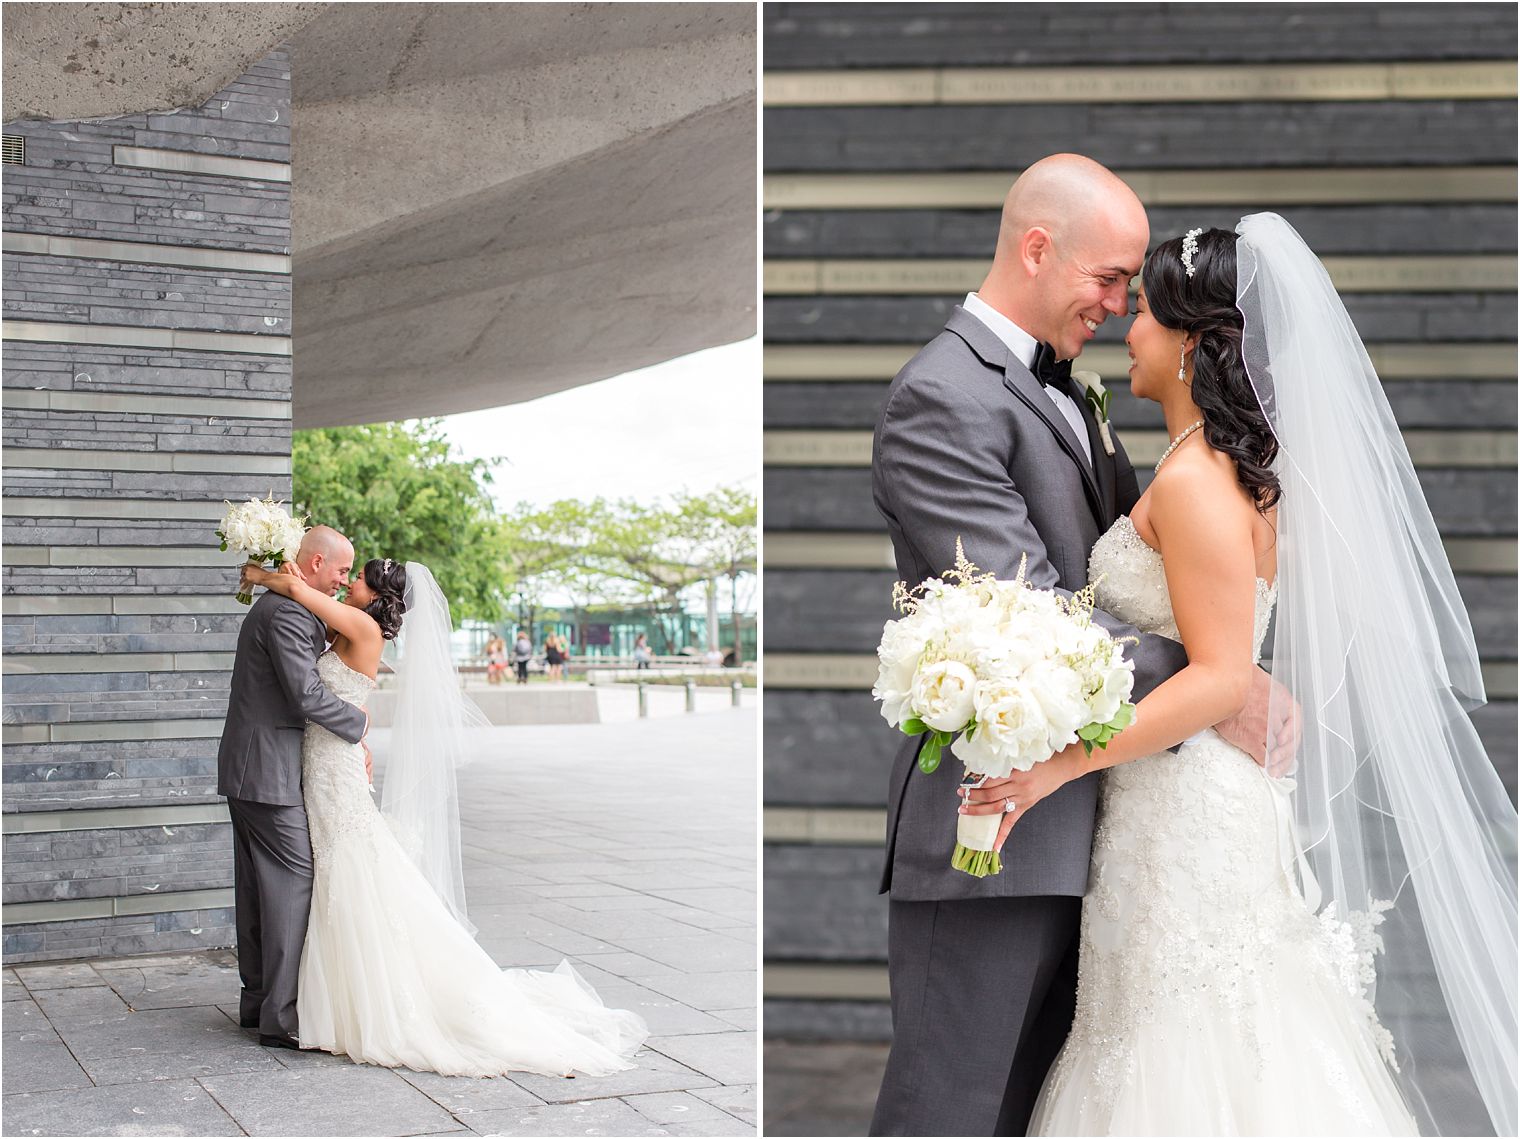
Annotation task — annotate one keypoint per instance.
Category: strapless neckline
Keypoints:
(344, 665)
(1264, 587)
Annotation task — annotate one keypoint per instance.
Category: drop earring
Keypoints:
(1182, 365)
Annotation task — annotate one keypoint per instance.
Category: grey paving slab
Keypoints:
(717, 899)
(711, 1127)
(626, 964)
(39, 1067)
(696, 952)
(740, 1101)
(233, 1059)
(22, 1020)
(618, 926)
(461, 1095)
(707, 991)
(13, 989)
(158, 1030)
(348, 1099)
(745, 1018)
(655, 1072)
(170, 1107)
(728, 1057)
(664, 1015)
(177, 983)
(68, 976)
(624, 899)
(676, 1107)
(593, 1117)
(707, 919)
(61, 1006)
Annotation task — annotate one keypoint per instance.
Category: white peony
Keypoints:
(902, 643)
(1058, 690)
(1111, 688)
(1011, 731)
(942, 695)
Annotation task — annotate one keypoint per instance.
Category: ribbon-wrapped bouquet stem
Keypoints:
(261, 530)
(1005, 675)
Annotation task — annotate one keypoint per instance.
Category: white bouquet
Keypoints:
(261, 530)
(1016, 673)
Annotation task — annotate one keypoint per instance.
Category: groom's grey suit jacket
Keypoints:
(275, 691)
(970, 446)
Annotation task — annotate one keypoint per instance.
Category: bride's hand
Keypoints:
(1025, 788)
(253, 574)
(294, 571)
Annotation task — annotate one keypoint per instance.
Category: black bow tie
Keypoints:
(1053, 373)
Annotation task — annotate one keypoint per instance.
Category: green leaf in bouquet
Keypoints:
(1090, 732)
(1123, 718)
(913, 726)
(928, 755)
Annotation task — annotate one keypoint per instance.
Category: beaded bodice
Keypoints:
(333, 780)
(1131, 585)
(343, 681)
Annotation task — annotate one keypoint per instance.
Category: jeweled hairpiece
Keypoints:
(1189, 250)
(386, 568)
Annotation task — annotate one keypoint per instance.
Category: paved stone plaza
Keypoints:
(627, 846)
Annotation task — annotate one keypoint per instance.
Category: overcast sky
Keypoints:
(692, 423)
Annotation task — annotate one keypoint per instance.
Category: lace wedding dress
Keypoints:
(1210, 1001)
(389, 977)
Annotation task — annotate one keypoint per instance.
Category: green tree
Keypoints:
(397, 492)
(721, 529)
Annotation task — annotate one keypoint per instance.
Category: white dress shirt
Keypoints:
(1024, 346)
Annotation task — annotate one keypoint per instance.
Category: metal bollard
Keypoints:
(691, 695)
(643, 701)
(737, 690)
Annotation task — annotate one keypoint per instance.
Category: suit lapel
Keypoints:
(1018, 380)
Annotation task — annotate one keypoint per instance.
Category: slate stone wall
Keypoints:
(123, 433)
(828, 751)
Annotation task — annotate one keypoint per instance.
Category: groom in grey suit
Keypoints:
(275, 691)
(984, 438)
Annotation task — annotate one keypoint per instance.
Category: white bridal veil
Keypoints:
(1396, 800)
(430, 739)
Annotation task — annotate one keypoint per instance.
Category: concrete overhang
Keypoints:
(490, 202)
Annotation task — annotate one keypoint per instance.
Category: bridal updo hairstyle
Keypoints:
(1204, 306)
(390, 588)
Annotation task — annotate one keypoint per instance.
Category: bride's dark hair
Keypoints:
(388, 580)
(1203, 305)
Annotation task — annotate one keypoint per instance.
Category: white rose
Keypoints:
(942, 695)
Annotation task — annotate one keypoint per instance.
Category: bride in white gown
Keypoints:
(1212, 998)
(390, 972)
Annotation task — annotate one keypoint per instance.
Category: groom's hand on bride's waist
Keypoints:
(1268, 728)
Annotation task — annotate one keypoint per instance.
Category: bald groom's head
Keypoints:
(1072, 236)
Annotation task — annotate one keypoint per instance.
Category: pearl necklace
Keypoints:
(1177, 442)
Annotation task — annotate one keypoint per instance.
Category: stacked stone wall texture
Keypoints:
(124, 432)
(827, 751)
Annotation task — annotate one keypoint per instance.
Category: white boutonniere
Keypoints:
(1098, 397)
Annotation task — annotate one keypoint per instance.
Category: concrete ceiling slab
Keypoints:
(68, 62)
(490, 202)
